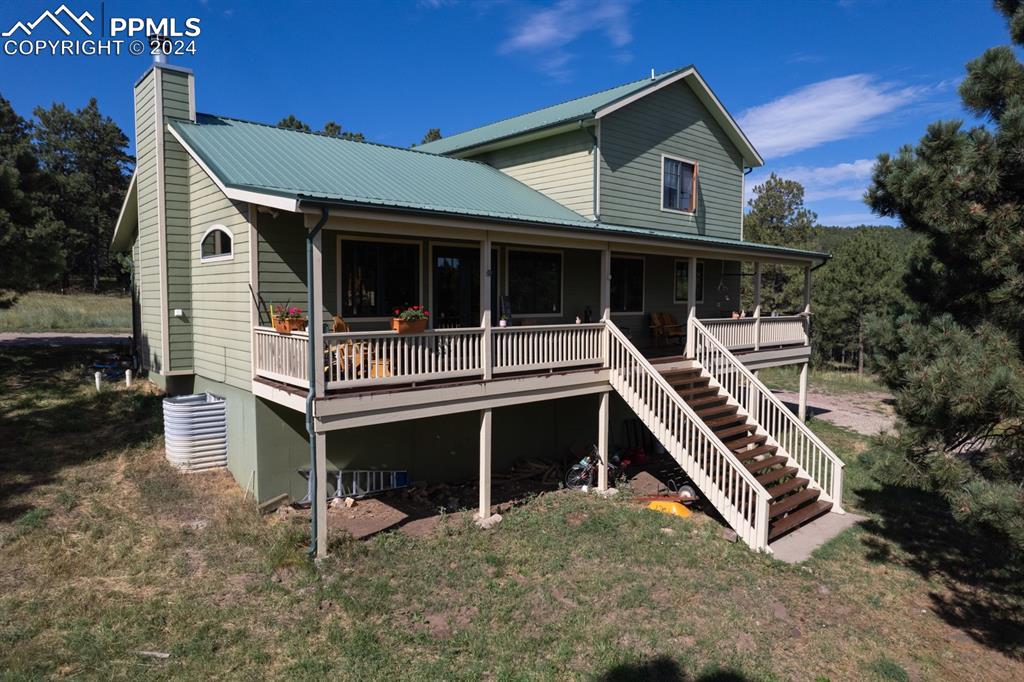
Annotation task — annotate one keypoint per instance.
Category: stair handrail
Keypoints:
(699, 333)
(751, 525)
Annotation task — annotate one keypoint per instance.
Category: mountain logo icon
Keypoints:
(69, 16)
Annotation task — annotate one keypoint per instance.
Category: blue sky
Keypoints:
(820, 87)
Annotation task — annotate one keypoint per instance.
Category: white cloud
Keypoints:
(547, 33)
(823, 112)
(844, 181)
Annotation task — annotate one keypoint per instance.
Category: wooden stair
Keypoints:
(793, 503)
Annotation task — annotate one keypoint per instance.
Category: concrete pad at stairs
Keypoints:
(801, 543)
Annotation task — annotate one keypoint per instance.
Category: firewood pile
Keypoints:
(531, 470)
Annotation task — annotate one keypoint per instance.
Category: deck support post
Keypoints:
(486, 419)
(485, 305)
(606, 299)
(691, 303)
(602, 442)
(320, 495)
(757, 305)
(802, 408)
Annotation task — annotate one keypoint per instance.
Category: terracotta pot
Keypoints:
(297, 325)
(281, 325)
(411, 327)
(394, 324)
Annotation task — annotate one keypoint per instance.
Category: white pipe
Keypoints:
(98, 378)
(127, 378)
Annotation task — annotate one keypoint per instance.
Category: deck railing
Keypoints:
(282, 357)
(792, 435)
(754, 333)
(719, 474)
(534, 347)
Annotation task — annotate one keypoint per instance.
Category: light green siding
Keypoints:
(220, 299)
(560, 167)
(148, 251)
(175, 89)
(670, 121)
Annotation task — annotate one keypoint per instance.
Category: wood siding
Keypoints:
(560, 167)
(175, 89)
(148, 251)
(220, 290)
(670, 121)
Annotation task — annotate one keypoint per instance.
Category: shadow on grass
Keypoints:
(664, 669)
(47, 422)
(983, 585)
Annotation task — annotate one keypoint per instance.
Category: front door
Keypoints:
(456, 273)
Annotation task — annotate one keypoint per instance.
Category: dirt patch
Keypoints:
(868, 413)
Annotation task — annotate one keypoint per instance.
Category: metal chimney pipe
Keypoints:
(156, 46)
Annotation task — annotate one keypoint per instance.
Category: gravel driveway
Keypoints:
(869, 412)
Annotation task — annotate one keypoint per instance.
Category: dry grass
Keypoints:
(41, 311)
(106, 551)
(821, 380)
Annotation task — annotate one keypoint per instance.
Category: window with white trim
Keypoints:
(678, 185)
(682, 276)
(215, 245)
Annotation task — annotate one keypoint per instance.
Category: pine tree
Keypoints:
(293, 123)
(431, 135)
(30, 250)
(956, 360)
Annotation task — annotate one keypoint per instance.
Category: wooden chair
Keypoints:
(665, 328)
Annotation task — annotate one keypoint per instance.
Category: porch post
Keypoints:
(602, 442)
(757, 305)
(320, 495)
(691, 302)
(485, 463)
(802, 407)
(606, 283)
(315, 330)
(485, 304)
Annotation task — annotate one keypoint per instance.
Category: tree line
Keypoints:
(63, 177)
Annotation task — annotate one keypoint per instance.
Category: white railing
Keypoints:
(749, 333)
(282, 357)
(534, 347)
(733, 490)
(377, 358)
(783, 428)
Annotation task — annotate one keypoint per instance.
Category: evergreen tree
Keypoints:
(85, 153)
(956, 361)
(334, 129)
(777, 216)
(293, 123)
(30, 249)
(432, 134)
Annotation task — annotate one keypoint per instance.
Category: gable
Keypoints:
(673, 121)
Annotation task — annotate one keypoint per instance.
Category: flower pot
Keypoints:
(394, 324)
(281, 325)
(502, 323)
(409, 327)
(297, 324)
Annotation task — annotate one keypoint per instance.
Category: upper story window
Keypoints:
(678, 184)
(215, 245)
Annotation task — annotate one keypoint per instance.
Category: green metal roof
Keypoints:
(577, 109)
(319, 169)
(289, 163)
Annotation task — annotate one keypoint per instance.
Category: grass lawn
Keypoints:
(820, 380)
(106, 552)
(41, 311)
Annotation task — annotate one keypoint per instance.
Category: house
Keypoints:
(582, 263)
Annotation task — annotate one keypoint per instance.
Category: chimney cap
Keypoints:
(158, 46)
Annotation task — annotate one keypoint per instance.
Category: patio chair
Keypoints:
(665, 328)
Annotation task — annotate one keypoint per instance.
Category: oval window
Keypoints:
(216, 244)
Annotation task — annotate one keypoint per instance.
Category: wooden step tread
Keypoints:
(797, 518)
(744, 442)
(791, 502)
(731, 431)
(717, 410)
(757, 452)
(787, 487)
(727, 420)
(776, 475)
(697, 391)
(759, 464)
(710, 400)
(681, 373)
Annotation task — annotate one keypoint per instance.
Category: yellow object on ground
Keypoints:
(667, 507)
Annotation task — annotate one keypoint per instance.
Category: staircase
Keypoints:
(763, 470)
(792, 502)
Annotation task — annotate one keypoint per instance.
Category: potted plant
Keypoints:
(279, 318)
(296, 320)
(503, 322)
(412, 320)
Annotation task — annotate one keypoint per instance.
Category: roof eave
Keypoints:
(127, 219)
